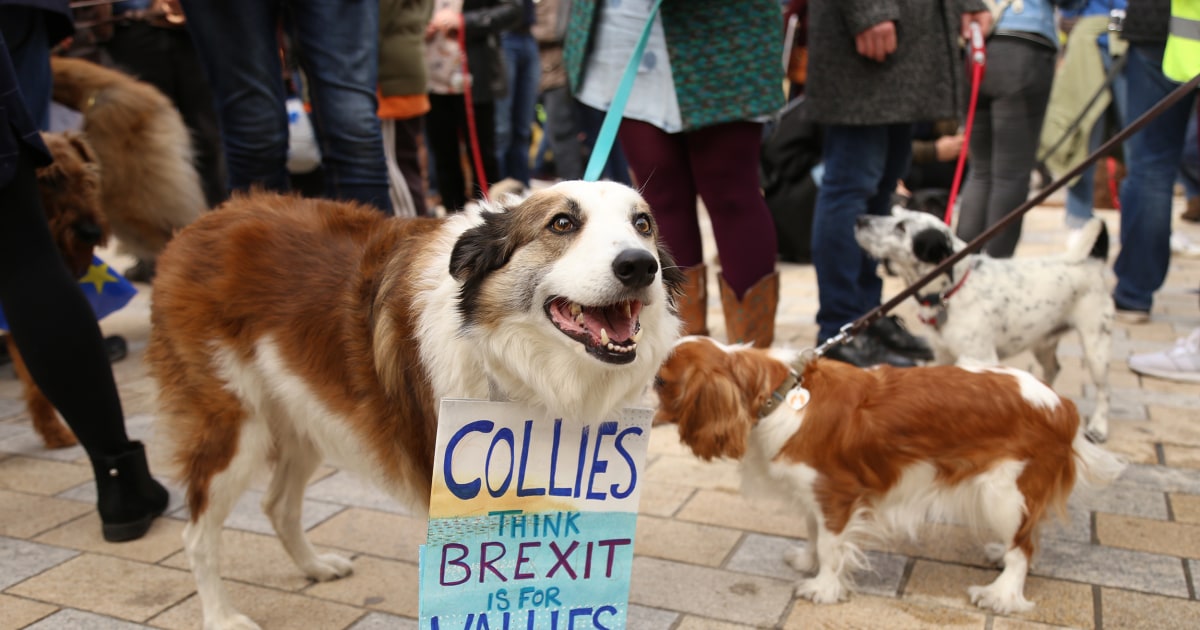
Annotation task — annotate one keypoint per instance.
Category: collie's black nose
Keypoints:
(635, 268)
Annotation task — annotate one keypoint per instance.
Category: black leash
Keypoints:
(855, 327)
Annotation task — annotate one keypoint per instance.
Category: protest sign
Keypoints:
(531, 519)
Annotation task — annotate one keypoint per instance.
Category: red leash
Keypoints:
(977, 59)
(468, 102)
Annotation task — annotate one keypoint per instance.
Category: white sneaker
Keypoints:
(1181, 363)
(1183, 246)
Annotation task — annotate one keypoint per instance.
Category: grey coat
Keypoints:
(923, 80)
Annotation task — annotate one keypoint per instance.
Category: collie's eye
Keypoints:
(562, 224)
(900, 228)
(642, 224)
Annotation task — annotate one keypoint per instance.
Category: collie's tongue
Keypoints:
(617, 322)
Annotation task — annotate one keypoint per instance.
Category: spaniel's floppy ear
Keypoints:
(709, 407)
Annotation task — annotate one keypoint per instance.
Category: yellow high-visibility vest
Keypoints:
(1181, 60)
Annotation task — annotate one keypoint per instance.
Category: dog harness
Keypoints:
(939, 302)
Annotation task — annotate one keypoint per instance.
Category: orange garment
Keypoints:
(403, 106)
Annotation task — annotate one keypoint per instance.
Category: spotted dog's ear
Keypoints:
(932, 246)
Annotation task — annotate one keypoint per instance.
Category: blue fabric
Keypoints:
(861, 166)
(514, 112)
(106, 290)
(1035, 16)
(16, 126)
(337, 42)
(1189, 170)
(1152, 158)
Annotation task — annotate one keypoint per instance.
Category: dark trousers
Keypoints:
(166, 59)
(446, 126)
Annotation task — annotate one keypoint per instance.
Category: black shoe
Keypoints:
(890, 331)
(865, 352)
(116, 348)
(128, 498)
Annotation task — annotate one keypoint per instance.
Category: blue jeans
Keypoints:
(862, 164)
(1152, 158)
(337, 42)
(514, 112)
(1189, 170)
(1079, 195)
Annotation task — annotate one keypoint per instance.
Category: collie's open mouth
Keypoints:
(609, 333)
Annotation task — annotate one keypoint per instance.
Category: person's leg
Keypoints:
(28, 42)
(1021, 92)
(338, 46)
(442, 130)
(855, 160)
(58, 337)
(239, 49)
(562, 128)
(407, 141)
(660, 162)
(523, 93)
(897, 155)
(1152, 158)
(510, 50)
(977, 189)
(724, 167)
(1079, 194)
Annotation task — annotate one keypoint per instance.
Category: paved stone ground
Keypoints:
(705, 557)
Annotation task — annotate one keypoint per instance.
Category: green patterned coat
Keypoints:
(725, 56)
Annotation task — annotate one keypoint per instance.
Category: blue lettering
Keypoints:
(464, 491)
(522, 491)
(599, 465)
(616, 492)
(503, 435)
(554, 491)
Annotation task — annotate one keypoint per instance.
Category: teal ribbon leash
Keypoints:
(612, 119)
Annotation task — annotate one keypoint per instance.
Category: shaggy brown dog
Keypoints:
(150, 187)
(70, 189)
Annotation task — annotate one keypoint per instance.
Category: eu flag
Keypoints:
(105, 289)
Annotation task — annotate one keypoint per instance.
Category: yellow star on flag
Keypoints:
(98, 275)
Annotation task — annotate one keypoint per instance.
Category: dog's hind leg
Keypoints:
(298, 459)
(1046, 354)
(202, 535)
(46, 422)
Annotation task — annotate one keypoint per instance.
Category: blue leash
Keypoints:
(612, 119)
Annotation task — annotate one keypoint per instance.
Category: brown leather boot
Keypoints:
(751, 319)
(1192, 213)
(693, 304)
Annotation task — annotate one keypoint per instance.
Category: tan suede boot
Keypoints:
(751, 319)
(693, 304)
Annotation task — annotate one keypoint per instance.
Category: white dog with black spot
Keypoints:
(987, 309)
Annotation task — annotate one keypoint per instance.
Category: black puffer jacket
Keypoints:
(485, 20)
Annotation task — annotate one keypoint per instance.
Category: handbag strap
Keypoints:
(612, 119)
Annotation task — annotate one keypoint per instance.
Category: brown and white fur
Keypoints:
(1005, 306)
(150, 188)
(290, 331)
(70, 192)
(880, 451)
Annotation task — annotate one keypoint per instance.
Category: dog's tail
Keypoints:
(1090, 242)
(1095, 466)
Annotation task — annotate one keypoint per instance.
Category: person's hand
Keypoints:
(947, 148)
(877, 42)
(983, 18)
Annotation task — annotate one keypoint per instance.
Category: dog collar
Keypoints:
(940, 299)
(779, 395)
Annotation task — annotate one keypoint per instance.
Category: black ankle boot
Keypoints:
(128, 498)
